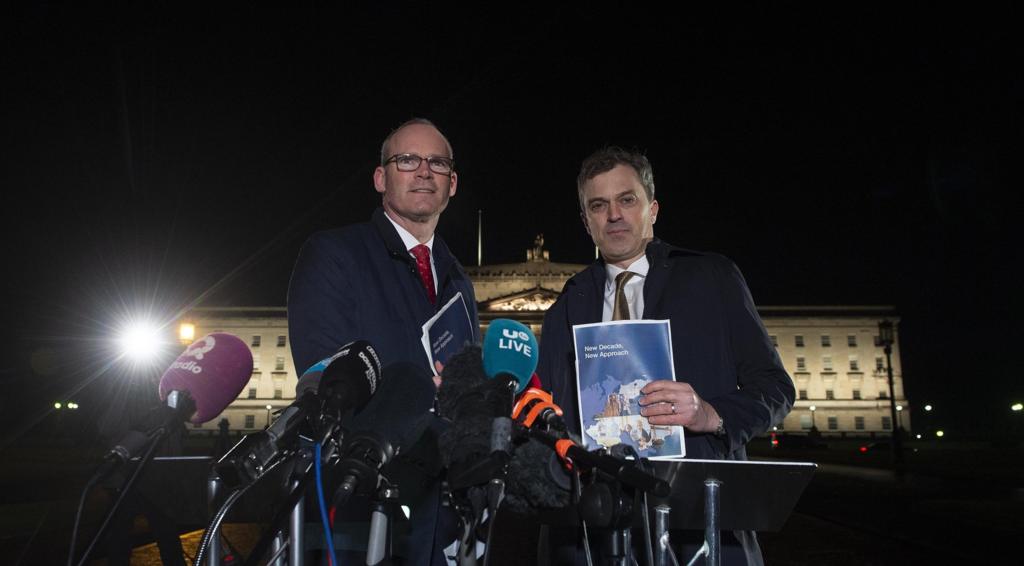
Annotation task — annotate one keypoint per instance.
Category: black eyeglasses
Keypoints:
(411, 162)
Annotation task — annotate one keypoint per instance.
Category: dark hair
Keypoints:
(607, 158)
(384, 150)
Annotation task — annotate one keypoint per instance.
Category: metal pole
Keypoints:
(296, 524)
(213, 552)
(661, 542)
(711, 535)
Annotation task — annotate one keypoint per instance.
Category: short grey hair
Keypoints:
(606, 159)
(385, 151)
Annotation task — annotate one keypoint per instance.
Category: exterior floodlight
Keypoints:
(939, 433)
(269, 407)
(927, 407)
(186, 333)
(899, 407)
(140, 342)
(57, 405)
(1016, 407)
(918, 436)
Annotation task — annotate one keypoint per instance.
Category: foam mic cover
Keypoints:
(213, 370)
(510, 348)
(536, 480)
(400, 409)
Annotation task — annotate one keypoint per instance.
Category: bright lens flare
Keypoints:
(140, 342)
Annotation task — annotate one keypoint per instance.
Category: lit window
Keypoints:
(799, 341)
(851, 340)
(281, 340)
(858, 423)
(826, 363)
(826, 341)
(256, 341)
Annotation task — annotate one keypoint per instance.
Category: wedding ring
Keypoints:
(673, 408)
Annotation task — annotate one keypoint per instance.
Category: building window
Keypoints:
(800, 364)
(252, 392)
(854, 365)
(775, 340)
(250, 421)
(858, 423)
(278, 394)
(830, 394)
(826, 363)
(256, 341)
(886, 423)
(279, 363)
(851, 340)
(826, 341)
(878, 341)
(803, 394)
(856, 393)
(833, 423)
(879, 365)
(805, 422)
(883, 394)
(799, 341)
(255, 361)
(281, 340)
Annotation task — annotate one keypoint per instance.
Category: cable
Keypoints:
(125, 489)
(583, 522)
(78, 514)
(323, 509)
(218, 517)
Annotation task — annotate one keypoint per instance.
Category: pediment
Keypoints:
(537, 299)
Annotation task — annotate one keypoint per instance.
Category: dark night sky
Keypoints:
(839, 158)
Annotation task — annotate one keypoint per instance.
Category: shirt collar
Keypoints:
(408, 239)
(640, 267)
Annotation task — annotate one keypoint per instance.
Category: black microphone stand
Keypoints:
(181, 405)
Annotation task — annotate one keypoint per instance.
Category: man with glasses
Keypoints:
(380, 281)
(730, 383)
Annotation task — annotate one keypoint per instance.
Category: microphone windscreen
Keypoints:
(400, 409)
(536, 480)
(510, 348)
(213, 370)
(463, 372)
(353, 358)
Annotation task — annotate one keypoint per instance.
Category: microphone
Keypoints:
(538, 406)
(510, 351)
(197, 386)
(394, 419)
(619, 468)
(212, 371)
(348, 379)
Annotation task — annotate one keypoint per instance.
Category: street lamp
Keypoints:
(928, 408)
(1016, 407)
(186, 333)
(269, 407)
(886, 339)
(814, 427)
(899, 417)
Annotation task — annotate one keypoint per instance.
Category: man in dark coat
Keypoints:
(730, 383)
(380, 281)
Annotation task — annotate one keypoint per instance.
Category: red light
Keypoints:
(863, 448)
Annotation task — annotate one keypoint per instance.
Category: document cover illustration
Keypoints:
(614, 360)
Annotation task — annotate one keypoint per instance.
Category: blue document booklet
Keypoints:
(614, 360)
(448, 331)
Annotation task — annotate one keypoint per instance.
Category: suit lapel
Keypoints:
(587, 298)
(657, 279)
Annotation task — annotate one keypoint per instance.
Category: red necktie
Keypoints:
(422, 253)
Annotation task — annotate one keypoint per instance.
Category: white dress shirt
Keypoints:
(634, 289)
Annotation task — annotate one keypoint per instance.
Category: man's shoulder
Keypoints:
(667, 255)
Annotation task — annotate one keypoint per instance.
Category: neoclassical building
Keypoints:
(832, 353)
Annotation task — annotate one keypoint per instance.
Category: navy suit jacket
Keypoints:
(719, 344)
(360, 283)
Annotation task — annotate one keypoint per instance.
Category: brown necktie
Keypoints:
(621, 309)
(422, 253)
